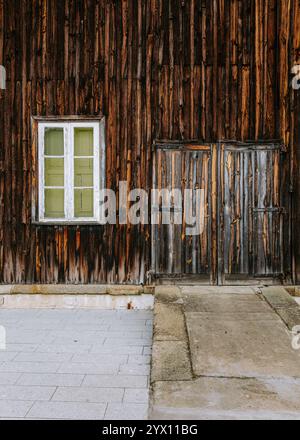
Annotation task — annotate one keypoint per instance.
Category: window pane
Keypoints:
(54, 142)
(54, 172)
(54, 203)
(84, 142)
(83, 169)
(84, 203)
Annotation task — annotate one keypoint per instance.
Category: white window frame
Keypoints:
(69, 187)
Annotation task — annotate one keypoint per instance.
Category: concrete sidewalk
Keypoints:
(224, 353)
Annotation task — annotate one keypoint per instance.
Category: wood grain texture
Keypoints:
(156, 69)
(177, 251)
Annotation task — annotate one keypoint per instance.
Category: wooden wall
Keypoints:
(157, 69)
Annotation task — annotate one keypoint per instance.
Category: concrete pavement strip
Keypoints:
(224, 355)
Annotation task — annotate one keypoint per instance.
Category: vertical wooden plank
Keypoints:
(259, 11)
(214, 214)
(296, 155)
(284, 69)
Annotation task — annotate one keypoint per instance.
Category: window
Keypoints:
(71, 168)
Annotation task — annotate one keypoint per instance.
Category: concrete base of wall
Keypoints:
(72, 289)
(62, 301)
(105, 297)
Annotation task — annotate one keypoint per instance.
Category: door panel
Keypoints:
(245, 211)
(174, 252)
(252, 216)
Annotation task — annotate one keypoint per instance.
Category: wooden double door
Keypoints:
(245, 233)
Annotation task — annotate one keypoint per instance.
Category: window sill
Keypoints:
(66, 223)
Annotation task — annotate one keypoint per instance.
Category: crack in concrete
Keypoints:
(187, 336)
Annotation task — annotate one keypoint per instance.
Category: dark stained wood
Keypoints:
(244, 211)
(295, 142)
(174, 251)
(205, 70)
(254, 239)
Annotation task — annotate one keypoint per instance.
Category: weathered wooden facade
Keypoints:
(199, 85)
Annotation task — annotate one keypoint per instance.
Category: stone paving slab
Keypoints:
(21, 348)
(136, 396)
(75, 364)
(56, 379)
(126, 411)
(42, 357)
(121, 350)
(29, 367)
(85, 394)
(34, 393)
(14, 408)
(67, 411)
(115, 381)
(9, 378)
(72, 348)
